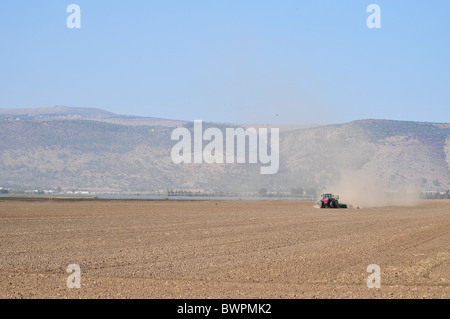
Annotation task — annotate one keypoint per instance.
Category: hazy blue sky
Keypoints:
(230, 61)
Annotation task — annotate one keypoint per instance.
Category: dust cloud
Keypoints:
(362, 189)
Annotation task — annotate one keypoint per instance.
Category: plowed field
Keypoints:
(204, 249)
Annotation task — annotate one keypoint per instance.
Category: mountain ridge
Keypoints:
(84, 153)
(56, 109)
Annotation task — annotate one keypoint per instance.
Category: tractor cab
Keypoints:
(329, 200)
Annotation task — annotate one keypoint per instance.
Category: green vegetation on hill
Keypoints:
(93, 155)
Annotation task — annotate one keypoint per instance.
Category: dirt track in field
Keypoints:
(273, 249)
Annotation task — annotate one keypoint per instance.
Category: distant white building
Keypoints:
(82, 193)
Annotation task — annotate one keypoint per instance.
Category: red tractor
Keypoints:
(329, 200)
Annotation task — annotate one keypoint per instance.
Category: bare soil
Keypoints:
(265, 249)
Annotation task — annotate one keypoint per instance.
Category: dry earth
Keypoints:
(267, 249)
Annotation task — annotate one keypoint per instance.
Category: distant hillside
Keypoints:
(395, 155)
(56, 110)
(92, 155)
(81, 113)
